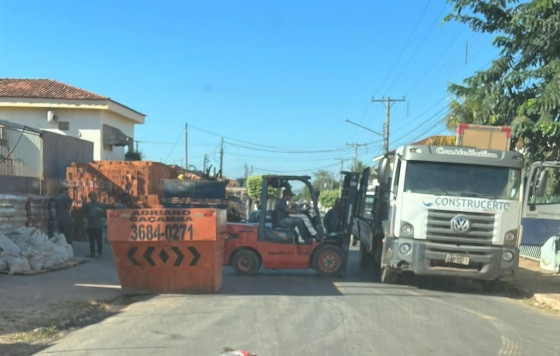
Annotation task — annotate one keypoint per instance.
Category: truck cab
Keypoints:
(541, 215)
(450, 211)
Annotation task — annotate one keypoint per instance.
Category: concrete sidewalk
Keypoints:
(543, 286)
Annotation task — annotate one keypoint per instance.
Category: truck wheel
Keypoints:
(327, 260)
(388, 275)
(365, 257)
(245, 262)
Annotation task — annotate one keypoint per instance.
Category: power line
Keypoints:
(294, 171)
(288, 151)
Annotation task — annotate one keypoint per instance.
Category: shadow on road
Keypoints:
(21, 348)
(278, 282)
(436, 284)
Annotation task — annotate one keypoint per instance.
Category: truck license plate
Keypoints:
(457, 259)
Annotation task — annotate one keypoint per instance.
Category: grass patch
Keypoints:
(533, 302)
(34, 336)
(41, 328)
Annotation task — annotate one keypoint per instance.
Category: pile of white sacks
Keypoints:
(26, 249)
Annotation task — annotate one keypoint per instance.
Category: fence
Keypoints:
(20, 151)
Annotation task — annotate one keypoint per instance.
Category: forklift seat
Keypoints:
(280, 235)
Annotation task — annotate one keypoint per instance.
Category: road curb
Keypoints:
(547, 301)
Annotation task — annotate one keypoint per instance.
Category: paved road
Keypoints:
(299, 313)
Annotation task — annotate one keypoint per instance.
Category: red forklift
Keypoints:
(252, 245)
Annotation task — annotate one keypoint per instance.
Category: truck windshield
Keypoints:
(462, 180)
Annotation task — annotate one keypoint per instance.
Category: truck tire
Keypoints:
(366, 259)
(388, 276)
(328, 260)
(246, 262)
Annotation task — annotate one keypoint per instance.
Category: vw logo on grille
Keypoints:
(460, 223)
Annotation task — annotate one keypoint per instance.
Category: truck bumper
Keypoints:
(427, 258)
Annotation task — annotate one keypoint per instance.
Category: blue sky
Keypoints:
(275, 79)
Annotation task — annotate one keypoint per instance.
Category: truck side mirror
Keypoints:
(540, 184)
(383, 172)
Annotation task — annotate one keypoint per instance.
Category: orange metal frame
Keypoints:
(273, 255)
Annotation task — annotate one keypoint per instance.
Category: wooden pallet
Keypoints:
(68, 264)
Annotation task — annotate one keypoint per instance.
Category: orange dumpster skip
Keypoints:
(168, 250)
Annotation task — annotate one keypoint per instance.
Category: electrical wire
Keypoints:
(295, 171)
(175, 144)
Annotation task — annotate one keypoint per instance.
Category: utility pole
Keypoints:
(186, 147)
(342, 160)
(355, 145)
(221, 156)
(388, 103)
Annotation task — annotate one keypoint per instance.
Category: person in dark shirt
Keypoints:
(64, 222)
(95, 213)
(281, 216)
(333, 218)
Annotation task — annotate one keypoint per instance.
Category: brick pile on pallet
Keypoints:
(12, 212)
(37, 208)
(139, 181)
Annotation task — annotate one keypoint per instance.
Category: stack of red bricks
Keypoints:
(138, 182)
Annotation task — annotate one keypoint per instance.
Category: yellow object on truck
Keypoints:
(484, 137)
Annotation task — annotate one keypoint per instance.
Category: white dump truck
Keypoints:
(445, 211)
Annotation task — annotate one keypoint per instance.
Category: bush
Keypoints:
(328, 197)
(133, 156)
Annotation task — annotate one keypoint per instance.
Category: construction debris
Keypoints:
(27, 249)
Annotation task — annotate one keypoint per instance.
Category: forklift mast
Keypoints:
(348, 201)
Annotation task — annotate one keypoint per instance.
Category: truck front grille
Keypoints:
(439, 228)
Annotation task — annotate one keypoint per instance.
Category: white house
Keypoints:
(61, 108)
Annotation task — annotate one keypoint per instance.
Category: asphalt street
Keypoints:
(300, 313)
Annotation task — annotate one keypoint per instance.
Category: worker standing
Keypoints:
(95, 213)
(64, 222)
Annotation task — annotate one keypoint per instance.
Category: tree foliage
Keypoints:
(323, 180)
(360, 166)
(133, 156)
(254, 188)
(328, 197)
(522, 86)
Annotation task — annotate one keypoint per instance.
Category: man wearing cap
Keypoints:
(281, 216)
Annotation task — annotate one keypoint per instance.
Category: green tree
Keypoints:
(328, 197)
(360, 166)
(133, 156)
(254, 188)
(323, 180)
(522, 86)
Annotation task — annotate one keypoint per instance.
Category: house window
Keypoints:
(63, 125)
(108, 147)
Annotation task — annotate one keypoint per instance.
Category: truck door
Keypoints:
(541, 207)
(393, 195)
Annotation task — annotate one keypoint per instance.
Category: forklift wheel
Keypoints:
(327, 261)
(246, 262)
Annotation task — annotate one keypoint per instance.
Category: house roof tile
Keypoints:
(44, 88)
